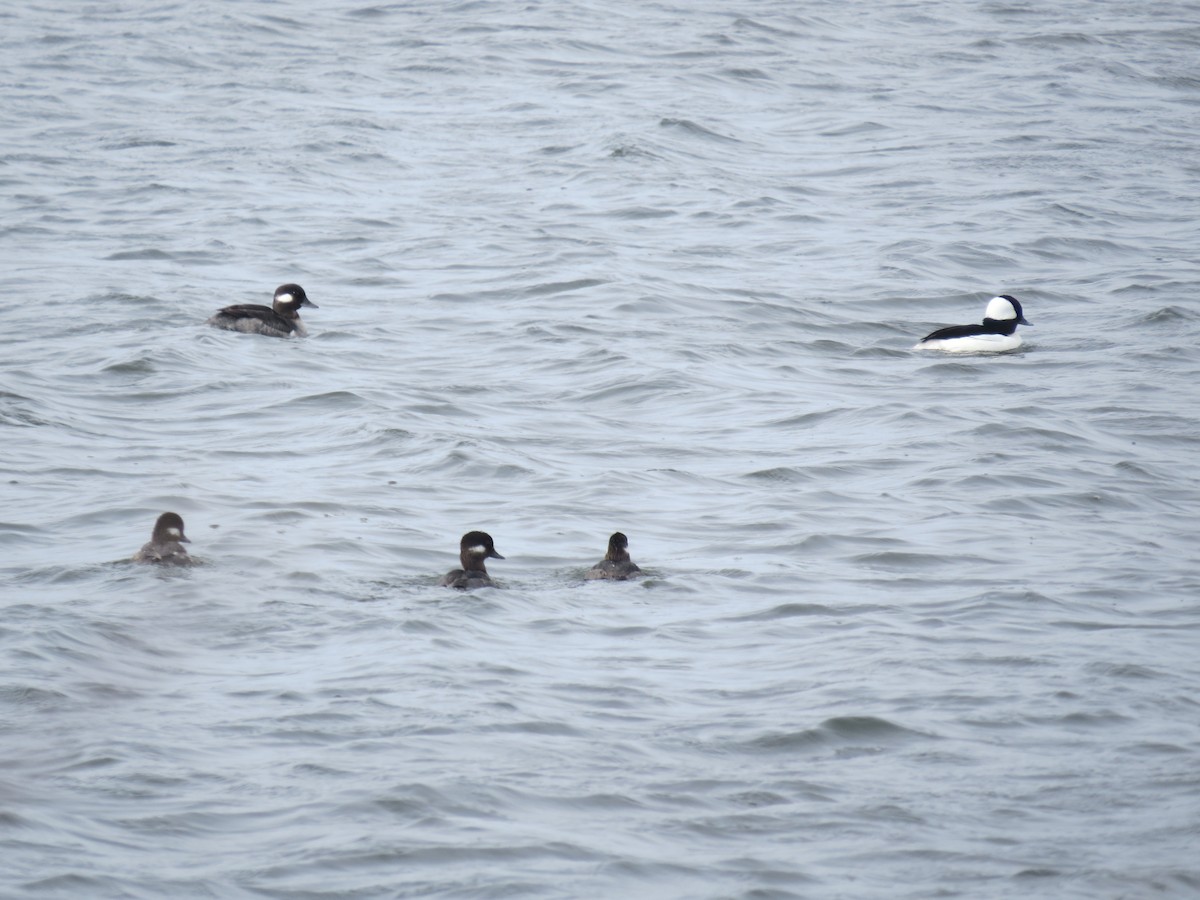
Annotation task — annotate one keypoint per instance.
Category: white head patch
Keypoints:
(477, 550)
(285, 297)
(175, 533)
(998, 308)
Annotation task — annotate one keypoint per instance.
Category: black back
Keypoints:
(989, 326)
(264, 314)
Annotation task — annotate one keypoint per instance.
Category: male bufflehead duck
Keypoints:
(166, 544)
(474, 548)
(616, 565)
(280, 319)
(996, 334)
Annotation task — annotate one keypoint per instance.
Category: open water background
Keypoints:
(915, 627)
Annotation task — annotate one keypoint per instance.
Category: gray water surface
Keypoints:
(913, 626)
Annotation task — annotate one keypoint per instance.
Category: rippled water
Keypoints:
(914, 626)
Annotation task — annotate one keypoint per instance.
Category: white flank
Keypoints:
(979, 343)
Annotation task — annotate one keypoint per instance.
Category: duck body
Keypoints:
(473, 549)
(165, 547)
(616, 565)
(996, 334)
(280, 319)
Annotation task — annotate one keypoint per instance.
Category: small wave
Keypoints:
(143, 365)
(690, 127)
(148, 253)
(1167, 315)
(370, 12)
(864, 127)
(331, 399)
(545, 729)
(30, 697)
(747, 74)
(135, 144)
(1080, 248)
(840, 732)
(789, 611)
(1124, 670)
(561, 287)
(905, 561)
(639, 212)
(631, 151)
(1062, 39)
(781, 475)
